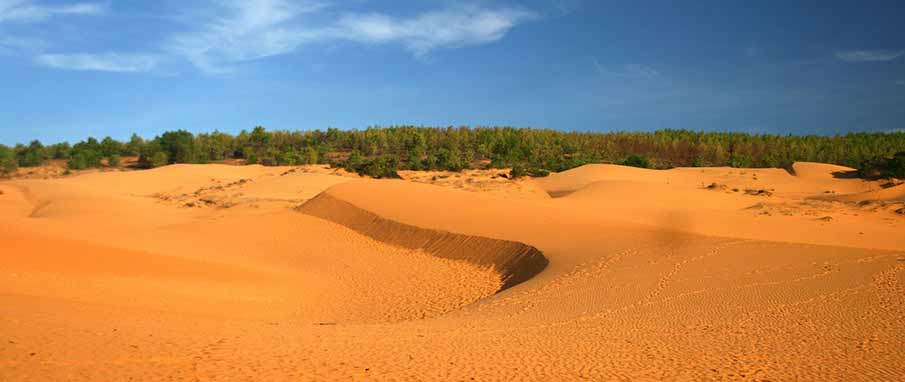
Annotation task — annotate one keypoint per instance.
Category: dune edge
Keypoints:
(515, 262)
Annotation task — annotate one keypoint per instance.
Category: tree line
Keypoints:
(381, 151)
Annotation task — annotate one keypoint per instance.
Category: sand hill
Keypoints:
(216, 272)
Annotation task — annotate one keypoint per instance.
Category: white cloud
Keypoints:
(432, 30)
(30, 11)
(220, 34)
(254, 29)
(242, 31)
(869, 55)
(107, 62)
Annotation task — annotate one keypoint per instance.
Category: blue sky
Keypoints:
(70, 69)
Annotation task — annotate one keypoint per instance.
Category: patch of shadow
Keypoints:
(559, 194)
(758, 206)
(40, 206)
(515, 262)
(789, 169)
(845, 174)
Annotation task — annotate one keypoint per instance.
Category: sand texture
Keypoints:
(603, 272)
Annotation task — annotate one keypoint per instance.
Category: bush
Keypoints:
(893, 167)
(636, 161)
(251, 158)
(114, 161)
(740, 161)
(110, 146)
(384, 166)
(32, 155)
(311, 155)
(59, 151)
(160, 159)
(287, 159)
(77, 162)
(538, 172)
(518, 170)
(8, 162)
(179, 146)
(83, 158)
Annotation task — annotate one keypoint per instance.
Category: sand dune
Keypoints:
(514, 262)
(209, 272)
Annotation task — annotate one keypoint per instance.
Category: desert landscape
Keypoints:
(602, 272)
(452, 190)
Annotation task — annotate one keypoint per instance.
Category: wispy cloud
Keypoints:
(217, 35)
(869, 55)
(432, 30)
(107, 62)
(12, 44)
(565, 7)
(243, 30)
(253, 29)
(30, 11)
(632, 71)
(900, 82)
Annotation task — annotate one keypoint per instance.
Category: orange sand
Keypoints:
(216, 272)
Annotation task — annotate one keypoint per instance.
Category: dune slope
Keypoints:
(515, 262)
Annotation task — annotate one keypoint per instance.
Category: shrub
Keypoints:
(83, 157)
(159, 159)
(8, 162)
(134, 146)
(893, 167)
(179, 146)
(32, 155)
(740, 161)
(538, 172)
(384, 166)
(77, 162)
(311, 155)
(518, 170)
(110, 146)
(636, 161)
(59, 151)
(114, 160)
(287, 159)
(251, 157)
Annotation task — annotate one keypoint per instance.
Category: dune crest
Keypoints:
(515, 262)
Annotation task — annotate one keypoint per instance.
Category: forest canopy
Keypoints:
(381, 151)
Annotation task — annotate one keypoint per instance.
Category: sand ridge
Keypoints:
(303, 274)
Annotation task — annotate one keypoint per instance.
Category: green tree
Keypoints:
(110, 146)
(159, 159)
(740, 161)
(8, 161)
(179, 146)
(354, 161)
(311, 155)
(32, 155)
(114, 160)
(59, 151)
(636, 161)
(134, 146)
